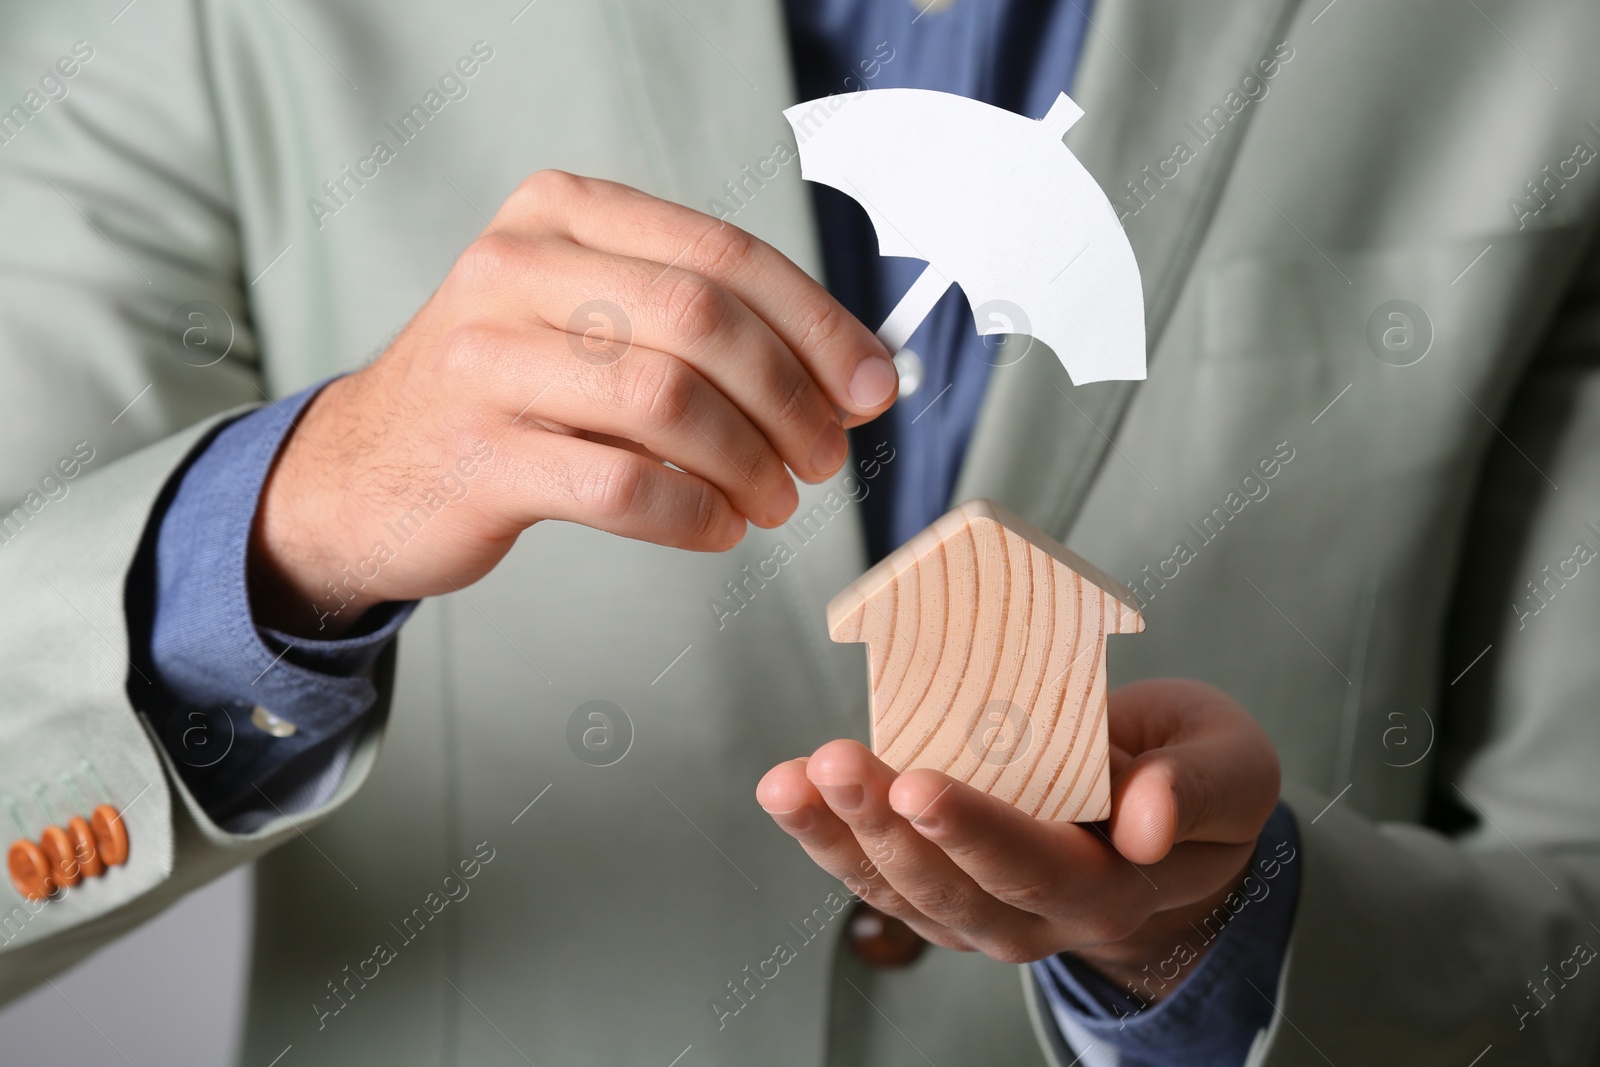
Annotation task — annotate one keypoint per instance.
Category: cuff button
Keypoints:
(58, 851)
(111, 834)
(29, 870)
(268, 723)
(85, 847)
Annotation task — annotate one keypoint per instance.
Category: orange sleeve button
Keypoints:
(29, 870)
(111, 833)
(59, 852)
(84, 847)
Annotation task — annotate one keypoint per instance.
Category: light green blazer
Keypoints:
(1402, 604)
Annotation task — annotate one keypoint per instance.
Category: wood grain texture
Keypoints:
(987, 652)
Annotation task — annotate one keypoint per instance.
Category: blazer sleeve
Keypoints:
(1430, 945)
(125, 339)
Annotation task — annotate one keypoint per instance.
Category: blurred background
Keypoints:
(171, 993)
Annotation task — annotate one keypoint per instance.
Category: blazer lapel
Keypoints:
(1151, 71)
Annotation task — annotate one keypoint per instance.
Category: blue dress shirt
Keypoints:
(1212, 1016)
(1015, 54)
(258, 722)
(212, 666)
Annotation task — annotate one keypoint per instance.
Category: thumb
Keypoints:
(1213, 776)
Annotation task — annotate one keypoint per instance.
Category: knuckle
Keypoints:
(797, 394)
(661, 395)
(723, 249)
(888, 900)
(1030, 896)
(707, 521)
(695, 309)
(758, 469)
(490, 260)
(824, 328)
(470, 352)
(547, 187)
(864, 880)
(945, 903)
(614, 489)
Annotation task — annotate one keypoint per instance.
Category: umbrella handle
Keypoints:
(912, 309)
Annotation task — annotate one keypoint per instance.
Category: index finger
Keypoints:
(845, 358)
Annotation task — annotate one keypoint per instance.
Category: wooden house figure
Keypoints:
(986, 646)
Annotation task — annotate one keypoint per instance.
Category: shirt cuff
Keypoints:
(258, 722)
(1212, 1017)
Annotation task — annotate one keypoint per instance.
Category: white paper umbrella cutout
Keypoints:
(991, 200)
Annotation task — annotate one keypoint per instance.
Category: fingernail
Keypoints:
(784, 503)
(829, 450)
(873, 381)
(843, 797)
(735, 530)
(919, 819)
(797, 821)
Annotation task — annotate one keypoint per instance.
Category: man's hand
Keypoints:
(591, 336)
(1194, 779)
